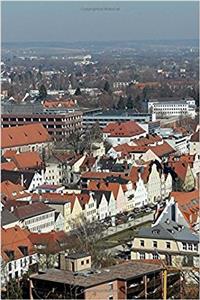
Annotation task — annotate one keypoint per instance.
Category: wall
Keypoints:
(43, 222)
(106, 290)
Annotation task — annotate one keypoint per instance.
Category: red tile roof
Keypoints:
(9, 166)
(195, 137)
(27, 160)
(102, 186)
(126, 148)
(126, 129)
(149, 139)
(12, 239)
(53, 241)
(162, 149)
(13, 191)
(180, 168)
(23, 135)
(188, 203)
(31, 210)
(68, 103)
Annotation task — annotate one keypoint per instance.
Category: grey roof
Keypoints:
(16, 176)
(124, 271)
(97, 195)
(77, 255)
(7, 217)
(171, 231)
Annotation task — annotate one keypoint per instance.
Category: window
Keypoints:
(82, 262)
(195, 247)
(190, 247)
(168, 245)
(111, 286)
(87, 261)
(155, 256)
(142, 255)
(9, 266)
(30, 259)
(110, 298)
(142, 243)
(16, 274)
(155, 244)
(184, 246)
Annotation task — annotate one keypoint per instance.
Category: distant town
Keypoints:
(100, 171)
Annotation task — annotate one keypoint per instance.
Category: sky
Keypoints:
(35, 21)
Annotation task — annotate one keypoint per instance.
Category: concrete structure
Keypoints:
(59, 122)
(37, 217)
(167, 108)
(103, 118)
(122, 281)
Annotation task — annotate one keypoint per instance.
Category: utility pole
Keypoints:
(165, 284)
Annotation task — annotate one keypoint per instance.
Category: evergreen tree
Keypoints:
(42, 92)
(121, 103)
(129, 103)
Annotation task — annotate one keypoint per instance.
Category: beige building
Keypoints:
(176, 244)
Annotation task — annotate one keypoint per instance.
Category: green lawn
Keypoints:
(120, 237)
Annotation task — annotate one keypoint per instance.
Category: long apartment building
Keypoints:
(172, 107)
(59, 123)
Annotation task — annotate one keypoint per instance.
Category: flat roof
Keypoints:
(124, 271)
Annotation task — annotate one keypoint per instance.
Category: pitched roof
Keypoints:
(7, 217)
(105, 186)
(17, 177)
(88, 162)
(180, 168)
(195, 137)
(162, 149)
(23, 135)
(10, 166)
(27, 160)
(53, 197)
(12, 239)
(128, 129)
(126, 148)
(148, 140)
(168, 231)
(188, 203)
(53, 242)
(31, 210)
(12, 191)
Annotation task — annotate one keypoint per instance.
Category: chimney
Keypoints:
(12, 208)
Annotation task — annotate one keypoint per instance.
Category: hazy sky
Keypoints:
(90, 21)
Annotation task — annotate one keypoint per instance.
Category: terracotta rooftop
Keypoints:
(27, 160)
(9, 166)
(195, 137)
(188, 203)
(23, 135)
(162, 149)
(31, 210)
(128, 129)
(13, 191)
(53, 242)
(12, 242)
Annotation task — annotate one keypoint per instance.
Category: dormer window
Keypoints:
(24, 250)
(14, 194)
(10, 254)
